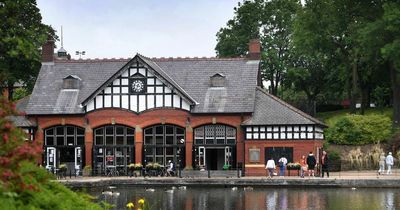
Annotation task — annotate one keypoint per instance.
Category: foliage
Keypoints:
(135, 166)
(293, 166)
(153, 166)
(20, 93)
(23, 185)
(359, 130)
(22, 33)
(333, 156)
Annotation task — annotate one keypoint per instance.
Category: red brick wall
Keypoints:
(145, 119)
(300, 147)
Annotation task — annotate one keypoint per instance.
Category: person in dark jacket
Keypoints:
(325, 164)
(311, 162)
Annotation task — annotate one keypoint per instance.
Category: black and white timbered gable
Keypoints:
(138, 86)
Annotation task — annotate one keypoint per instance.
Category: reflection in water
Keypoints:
(196, 198)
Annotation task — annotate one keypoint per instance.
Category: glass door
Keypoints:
(78, 160)
(202, 157)
(228, 155)
(51, 159)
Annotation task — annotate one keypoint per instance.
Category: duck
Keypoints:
(110, 193)
(353, 188)
(182, 187)
(173, 187)
(150, 190)
(234, 188)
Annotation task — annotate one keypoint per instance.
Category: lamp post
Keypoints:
(179, 153)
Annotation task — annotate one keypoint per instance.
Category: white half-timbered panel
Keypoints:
(154, 93)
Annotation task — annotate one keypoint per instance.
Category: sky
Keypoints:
(153, 28)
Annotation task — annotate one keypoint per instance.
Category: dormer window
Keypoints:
(71, 82)
(217, 80)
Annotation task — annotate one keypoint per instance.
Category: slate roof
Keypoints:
(191, 76)
(21, 121)
(270, 110)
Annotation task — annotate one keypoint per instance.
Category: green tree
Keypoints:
(22, 33)
(277, 21)
(271, 21)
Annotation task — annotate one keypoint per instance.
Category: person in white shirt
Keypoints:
(270, 167)
(389, 163)
(170, 169)
(282, 165)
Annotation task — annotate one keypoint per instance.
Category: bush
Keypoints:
(23, 185)
(359, 130)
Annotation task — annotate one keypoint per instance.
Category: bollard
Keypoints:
(238, 173)
(180, 172)
(70, 174)
(208, 173)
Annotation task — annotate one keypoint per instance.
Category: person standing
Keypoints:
(270, 167)
(282, 165)
(311, 162)
(389, 163)
(382, 161)
(303, 166)
(325, 164)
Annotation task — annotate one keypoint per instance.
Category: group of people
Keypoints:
(306, 165)
(388, 161)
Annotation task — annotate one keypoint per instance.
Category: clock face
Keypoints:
(137, 86)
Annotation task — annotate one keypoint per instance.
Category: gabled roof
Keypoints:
(270, 110)
(153, 67)
(190, 77)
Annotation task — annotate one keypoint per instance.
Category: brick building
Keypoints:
(199, 112)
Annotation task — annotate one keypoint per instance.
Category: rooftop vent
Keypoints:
(217, 80)
(71, 82)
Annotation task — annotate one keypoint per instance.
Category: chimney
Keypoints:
(48, 50)
(254, 50)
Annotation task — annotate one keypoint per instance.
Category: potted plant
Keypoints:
(136, 168)
(293, 166)
(87, 170)
(226, 167)
(153, 168)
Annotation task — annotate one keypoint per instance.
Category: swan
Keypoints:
(182, 187)
(234, 188)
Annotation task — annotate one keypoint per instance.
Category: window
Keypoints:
(163, 143)
(114, 135)
(64, 136)
(215, 134)
(287, 132)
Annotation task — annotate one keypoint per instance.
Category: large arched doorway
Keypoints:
(163, 143)
(64, 145)
(214, 147)
(113, 148)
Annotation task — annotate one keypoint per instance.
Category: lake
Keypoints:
(252, 198)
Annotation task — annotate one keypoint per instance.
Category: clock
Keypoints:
(137, 86)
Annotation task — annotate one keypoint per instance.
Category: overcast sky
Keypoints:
(122, 28)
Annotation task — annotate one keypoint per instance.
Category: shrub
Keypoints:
(359, 129)
(23, 185)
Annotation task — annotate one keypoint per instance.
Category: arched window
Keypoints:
(163, 143)
(113, 148)
(64, 136)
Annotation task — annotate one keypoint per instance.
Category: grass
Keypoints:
(330, 118)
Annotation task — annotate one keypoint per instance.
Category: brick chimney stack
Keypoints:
(48, 50)
(254, 50)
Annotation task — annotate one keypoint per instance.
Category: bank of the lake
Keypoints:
(357, 179)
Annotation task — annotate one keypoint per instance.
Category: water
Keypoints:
(257, 198)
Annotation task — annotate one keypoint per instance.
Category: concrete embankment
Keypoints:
(364, 182)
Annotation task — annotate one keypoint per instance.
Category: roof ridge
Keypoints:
(298, 111)
(155, 59)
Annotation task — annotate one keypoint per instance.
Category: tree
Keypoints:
(245, 25)
(271, 21)
(277, 21)
(22, 33)
(312, 52)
